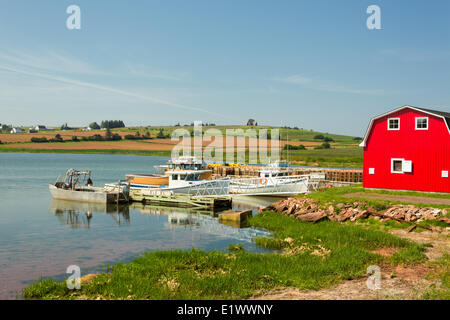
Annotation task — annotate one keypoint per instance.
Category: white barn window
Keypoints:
(396, 165)
(422, 123)
(401, 166)
(394, 124)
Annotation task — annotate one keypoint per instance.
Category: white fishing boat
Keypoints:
(78, 186)
(271, 182)
(186, 175)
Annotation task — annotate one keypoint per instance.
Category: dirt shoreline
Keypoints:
(398, 282)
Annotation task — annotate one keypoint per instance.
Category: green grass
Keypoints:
(442, 291)
(348, 157)
(338, 195)
(410, 193)
(309, 256)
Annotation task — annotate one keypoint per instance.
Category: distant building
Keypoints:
(17, 130)
(40, 128)
(87, 129)
(252, 122)
(32, 130)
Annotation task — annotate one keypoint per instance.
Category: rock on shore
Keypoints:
(308, 210)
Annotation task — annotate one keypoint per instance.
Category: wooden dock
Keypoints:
(181, 200)
(334, 175)
(235, 216)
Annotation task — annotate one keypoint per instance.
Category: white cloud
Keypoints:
(140, 70)
(294, 79)
(95, 86)
(49, 61)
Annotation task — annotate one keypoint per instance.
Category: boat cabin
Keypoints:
(186, 177)
(274, 173)
(186, 163)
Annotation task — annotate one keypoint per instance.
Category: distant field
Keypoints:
(66, 135)
(345, 157)
(344, 151)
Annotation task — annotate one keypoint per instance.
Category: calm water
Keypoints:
(42, 237)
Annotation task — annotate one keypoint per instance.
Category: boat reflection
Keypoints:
(79, 214)
(207, 220)
(254, 203)
(165, 210)
(178, 216)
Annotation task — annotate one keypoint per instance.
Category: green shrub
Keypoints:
(116, 137)
(324, 145)
(291, 147)
(39, 140)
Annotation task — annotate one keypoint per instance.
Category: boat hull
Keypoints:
(97, 196)
(273, 187)
(148, 179)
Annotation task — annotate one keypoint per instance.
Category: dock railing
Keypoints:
(212, 188)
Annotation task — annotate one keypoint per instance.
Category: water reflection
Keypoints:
(204, 219)
(79, 214)
(255, 203)
(166, 210)
(35, 243)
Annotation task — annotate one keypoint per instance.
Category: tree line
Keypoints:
(107, 124)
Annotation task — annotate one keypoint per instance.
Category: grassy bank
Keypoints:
(337, 195)
(309, 256)
(443, 275)
(345, 157)
(161, 153)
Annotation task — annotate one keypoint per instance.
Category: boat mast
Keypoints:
(287, 143)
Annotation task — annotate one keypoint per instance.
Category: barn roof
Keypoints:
(444, 115)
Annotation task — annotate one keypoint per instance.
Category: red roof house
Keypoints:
(408, 149)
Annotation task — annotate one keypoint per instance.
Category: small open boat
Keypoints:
(77, 185)
(272, 181)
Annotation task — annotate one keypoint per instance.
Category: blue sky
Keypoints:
(311, 64)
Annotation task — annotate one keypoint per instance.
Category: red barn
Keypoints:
(408, 149)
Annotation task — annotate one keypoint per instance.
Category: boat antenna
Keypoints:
(287, 143)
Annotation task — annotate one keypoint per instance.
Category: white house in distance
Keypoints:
(17, 130)
(40, 128)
